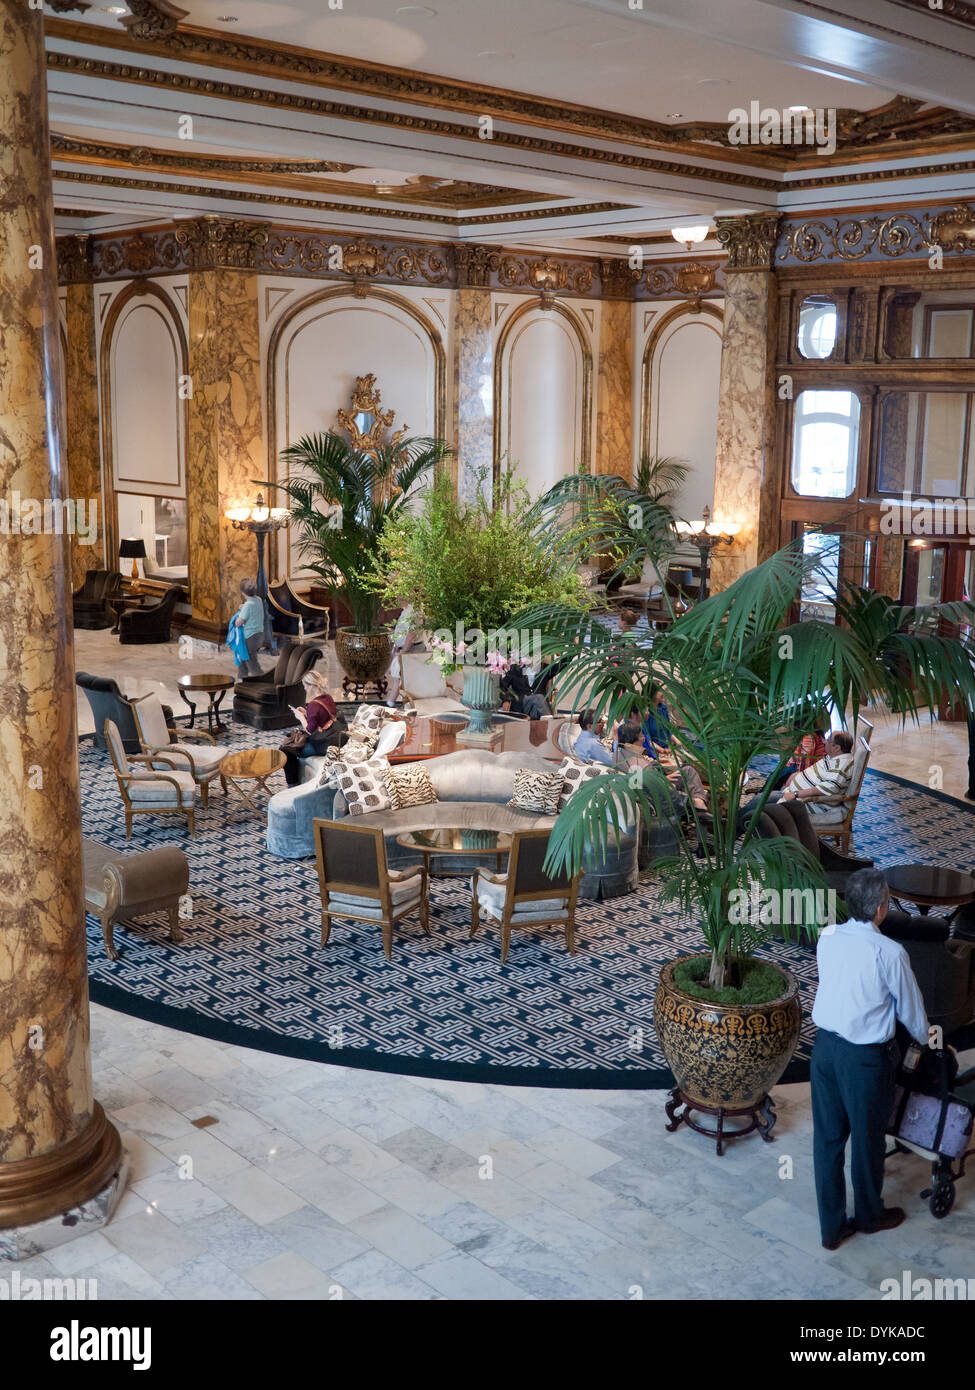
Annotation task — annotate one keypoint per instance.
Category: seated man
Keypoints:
(827, 778)
(657, 731)
(589, 747)
(518, 695)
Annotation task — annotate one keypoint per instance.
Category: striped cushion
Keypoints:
(536, 791)
(409, 786)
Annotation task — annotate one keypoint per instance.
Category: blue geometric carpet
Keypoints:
(251, 970)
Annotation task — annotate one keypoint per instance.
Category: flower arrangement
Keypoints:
(451, 656)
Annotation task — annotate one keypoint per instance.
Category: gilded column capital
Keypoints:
(74, 254)
(750, 240)
(474, 265)
(212, 243)
(616, 278)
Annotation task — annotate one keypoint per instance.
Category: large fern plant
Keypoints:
(745, 681)
(341, 498)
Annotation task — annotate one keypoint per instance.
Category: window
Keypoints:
(816, 598)
(817, 326)
(926, 444)
(826, 432)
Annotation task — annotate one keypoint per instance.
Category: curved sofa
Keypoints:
(472, 787)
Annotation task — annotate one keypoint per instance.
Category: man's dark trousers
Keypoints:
(852, 1097)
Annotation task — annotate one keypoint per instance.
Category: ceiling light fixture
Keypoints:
(675, 115)
(227, 19)
(495, 53)
(690, 236)
(797, 109)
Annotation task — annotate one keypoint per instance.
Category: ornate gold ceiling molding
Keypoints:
(959, 10)
(231, 91)
(422, 189)
(152, 19)
(326, 205)
(902, 117)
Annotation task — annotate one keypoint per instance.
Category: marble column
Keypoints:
(746, 486)
(82, 450)
(225, 456)
(473, 367)
(614, 389)
(57, 1150)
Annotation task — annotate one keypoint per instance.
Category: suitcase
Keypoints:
(942, 1126)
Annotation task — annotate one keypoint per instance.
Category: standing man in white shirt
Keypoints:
(865, 985)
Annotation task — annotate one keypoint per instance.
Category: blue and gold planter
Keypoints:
(726, 1057)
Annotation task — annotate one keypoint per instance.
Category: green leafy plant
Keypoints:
(341, 499)
(744, 682)
(472, 563)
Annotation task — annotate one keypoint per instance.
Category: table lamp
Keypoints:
(133, 549)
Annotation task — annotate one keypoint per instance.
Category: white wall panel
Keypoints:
(147, 413)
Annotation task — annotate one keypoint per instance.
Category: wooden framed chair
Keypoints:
(149, 792)
(526, 895)
(203, 763)
(839, 827)
(287, 606)
(357, 883)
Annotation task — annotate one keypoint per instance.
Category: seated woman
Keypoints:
(684, 778)
(657, 732)
(323, 727)
(810, 749)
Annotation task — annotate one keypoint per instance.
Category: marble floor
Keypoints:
(255, 1176)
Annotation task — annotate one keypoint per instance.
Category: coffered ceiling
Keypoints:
(537, 122)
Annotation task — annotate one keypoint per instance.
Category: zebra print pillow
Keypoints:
(537, 792)
(409, 786)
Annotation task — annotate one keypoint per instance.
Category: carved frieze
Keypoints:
(853, 238)
(152, 19)
(692, 279)
(211, 241)
(545, 274)
(74, 258)
(474, 265)
(750, 240)
(954, 229)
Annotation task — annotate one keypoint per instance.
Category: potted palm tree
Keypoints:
(747, 682)
(341, 498)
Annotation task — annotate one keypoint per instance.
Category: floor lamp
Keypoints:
(261, 520)
(707, 535)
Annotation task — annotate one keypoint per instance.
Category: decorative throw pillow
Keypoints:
(409, 786)
(349, 753)
(536, 791)
(574, 775)
(362, 786)
(369, 719)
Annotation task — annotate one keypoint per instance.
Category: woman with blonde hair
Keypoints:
(321, 726)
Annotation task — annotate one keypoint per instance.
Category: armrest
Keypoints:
(832, 860)
(500, 879)
(159, 755)
(312, 805)
(194, 736)
(401, 875)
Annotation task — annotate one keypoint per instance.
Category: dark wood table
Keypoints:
(927, 885)
(513, 736)
(215, 685)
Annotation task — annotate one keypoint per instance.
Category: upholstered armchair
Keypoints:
(107, 702)
(263, 701)
(836, 821)
(356, 882)
(942, 955)
(148, 790)
(90, 603)
(151, 623)
(527, 895)
(202, 762)
(287, 607)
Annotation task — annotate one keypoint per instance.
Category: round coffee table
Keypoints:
(927, 885)
(456, 841)
(214, 684)
(251, 765)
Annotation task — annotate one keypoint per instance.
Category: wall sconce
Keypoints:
(690, 236)
(260, 520)
(707, 535)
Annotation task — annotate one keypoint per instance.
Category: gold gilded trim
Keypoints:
(587, 372)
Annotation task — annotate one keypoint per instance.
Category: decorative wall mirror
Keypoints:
(930, 324)
(816, 332)
(366, 423)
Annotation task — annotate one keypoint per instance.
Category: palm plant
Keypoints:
(746, 682)
(341, 498)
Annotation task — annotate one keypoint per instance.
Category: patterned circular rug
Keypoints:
(251, 970)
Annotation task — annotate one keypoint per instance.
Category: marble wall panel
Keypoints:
(746, 487)
(82, 427)
(225, 438)
(614, 389)
(473, 369)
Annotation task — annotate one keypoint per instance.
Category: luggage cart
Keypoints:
(932, 1117)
